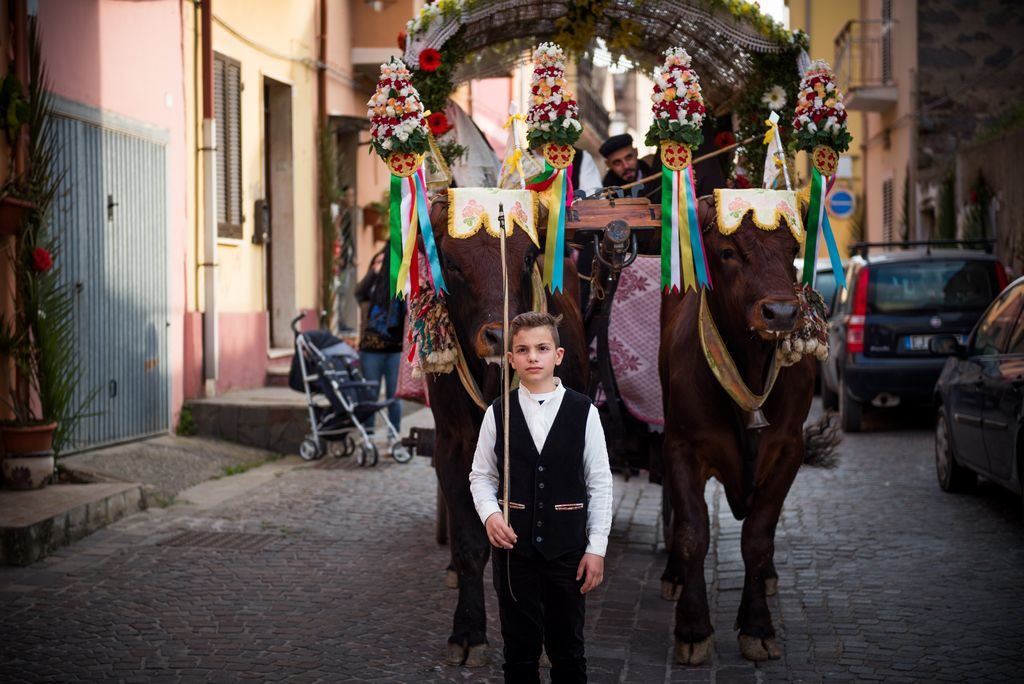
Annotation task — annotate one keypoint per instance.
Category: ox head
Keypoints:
(753, 275)
(472, 271)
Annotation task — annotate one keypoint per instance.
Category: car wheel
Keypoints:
(851, 411)
(953, 477)
(829, 399)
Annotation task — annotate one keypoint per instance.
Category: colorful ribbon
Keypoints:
(683, 261)
(409, 214)
(817, 218)
(553, 186)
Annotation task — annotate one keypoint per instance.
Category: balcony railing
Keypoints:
(864, 64)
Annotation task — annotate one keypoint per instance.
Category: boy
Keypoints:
(560, 500)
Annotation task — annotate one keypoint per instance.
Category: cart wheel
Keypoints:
(368, 455)
(310, 450)
(400, 453)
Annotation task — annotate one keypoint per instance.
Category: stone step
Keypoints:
(35, 523)
(271, 418)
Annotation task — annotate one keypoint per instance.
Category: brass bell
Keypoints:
(756, 420)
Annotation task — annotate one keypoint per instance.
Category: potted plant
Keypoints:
(375, 216)
(38, 362)
(14, 113)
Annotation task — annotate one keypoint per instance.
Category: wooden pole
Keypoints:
(703, 157)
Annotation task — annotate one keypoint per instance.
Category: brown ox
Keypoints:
(472, 270)
(706, 433)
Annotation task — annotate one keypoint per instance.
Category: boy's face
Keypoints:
(534, 356)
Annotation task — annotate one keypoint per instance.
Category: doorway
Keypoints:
(278, 175)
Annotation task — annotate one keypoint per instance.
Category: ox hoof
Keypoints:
(670, 591)
(693, 654)
(451, 579)
(757, 649)
(455, 655)
(477, 656)
(771, 586)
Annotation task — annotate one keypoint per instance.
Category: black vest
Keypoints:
(548, 492)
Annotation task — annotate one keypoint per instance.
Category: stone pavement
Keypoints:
(330, 572)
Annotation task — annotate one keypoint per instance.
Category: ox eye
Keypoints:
(728, 254)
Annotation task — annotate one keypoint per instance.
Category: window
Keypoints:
(227, 90)
(887, 42)
(933, 286)
(1016, 345)
(887, 210)
(995, 327)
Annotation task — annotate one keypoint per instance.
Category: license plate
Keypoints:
(916, 342)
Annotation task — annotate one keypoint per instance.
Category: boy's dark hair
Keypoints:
(534, 319)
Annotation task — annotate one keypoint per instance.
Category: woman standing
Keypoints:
(382, 330)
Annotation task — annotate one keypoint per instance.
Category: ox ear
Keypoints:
(803, 201)
(439, 216)
(707, 216)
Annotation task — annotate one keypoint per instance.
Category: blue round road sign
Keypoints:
(841, 204)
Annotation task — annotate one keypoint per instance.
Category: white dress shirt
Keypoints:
(540, 411)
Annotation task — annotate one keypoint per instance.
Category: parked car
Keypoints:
(979, 426)
(880, 327)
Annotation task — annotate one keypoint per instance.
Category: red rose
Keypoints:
(741, 182)
(724, 139)
(401, 40)
(430, 59)
(438, 124)
(41, 260)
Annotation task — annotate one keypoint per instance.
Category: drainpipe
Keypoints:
(209, 156)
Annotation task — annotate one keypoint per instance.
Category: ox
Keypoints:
(472, 270)
(706, 433)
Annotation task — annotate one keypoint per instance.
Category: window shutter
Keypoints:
(887, 210)
(227, 105)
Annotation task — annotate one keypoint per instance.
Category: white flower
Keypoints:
(403, 136)
(566, 123)
(812, 127)
(775, 98)
(386, 144)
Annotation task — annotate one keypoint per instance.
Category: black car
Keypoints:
(880, 327)
(979, 427)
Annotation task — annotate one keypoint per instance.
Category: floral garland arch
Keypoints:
(749, 62)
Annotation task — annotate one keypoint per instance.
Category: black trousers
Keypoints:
(543, 606)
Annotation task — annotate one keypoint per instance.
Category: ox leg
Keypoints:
(469, 552)
(684, 573)
(754, 620)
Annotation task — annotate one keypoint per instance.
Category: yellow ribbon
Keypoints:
(512, 118)
(773, 128)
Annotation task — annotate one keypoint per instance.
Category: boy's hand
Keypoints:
(499, 534)
(591, 567)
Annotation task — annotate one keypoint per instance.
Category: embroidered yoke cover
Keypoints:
(470, 209)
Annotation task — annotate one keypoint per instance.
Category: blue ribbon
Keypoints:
(558, 266)
(696, 244)
(833, 250)
(428, 235)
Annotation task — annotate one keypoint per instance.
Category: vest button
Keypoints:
(540, 523)
(540, 539)
(540, 469)
(540, 504)
(541, 485)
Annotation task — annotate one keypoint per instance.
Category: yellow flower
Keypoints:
(670, 93)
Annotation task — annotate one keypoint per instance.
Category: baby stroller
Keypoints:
(343, 406)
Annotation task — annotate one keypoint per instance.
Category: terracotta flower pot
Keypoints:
(24, 439)
(30, 470)
(12, 210)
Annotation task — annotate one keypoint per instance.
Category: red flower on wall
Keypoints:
(41, 260)
(401, 40)
(430, 59)
(724, 139)
(438, 124)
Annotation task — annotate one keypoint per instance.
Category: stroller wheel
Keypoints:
(368, 454)
(400, 453)
(310, 450)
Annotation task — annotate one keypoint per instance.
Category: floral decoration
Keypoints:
(724, 139)
(775, 98)
(42, 260)
(553, 116)
(430, 59)
(438, 124)
(820, 117)
(678, 105)
(396, 114)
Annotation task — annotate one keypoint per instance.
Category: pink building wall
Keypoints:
(126, 58)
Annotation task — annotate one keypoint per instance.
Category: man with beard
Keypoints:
(625, 166)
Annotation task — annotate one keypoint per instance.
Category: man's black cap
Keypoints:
(616, 143)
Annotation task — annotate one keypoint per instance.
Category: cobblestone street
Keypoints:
(330, 572)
